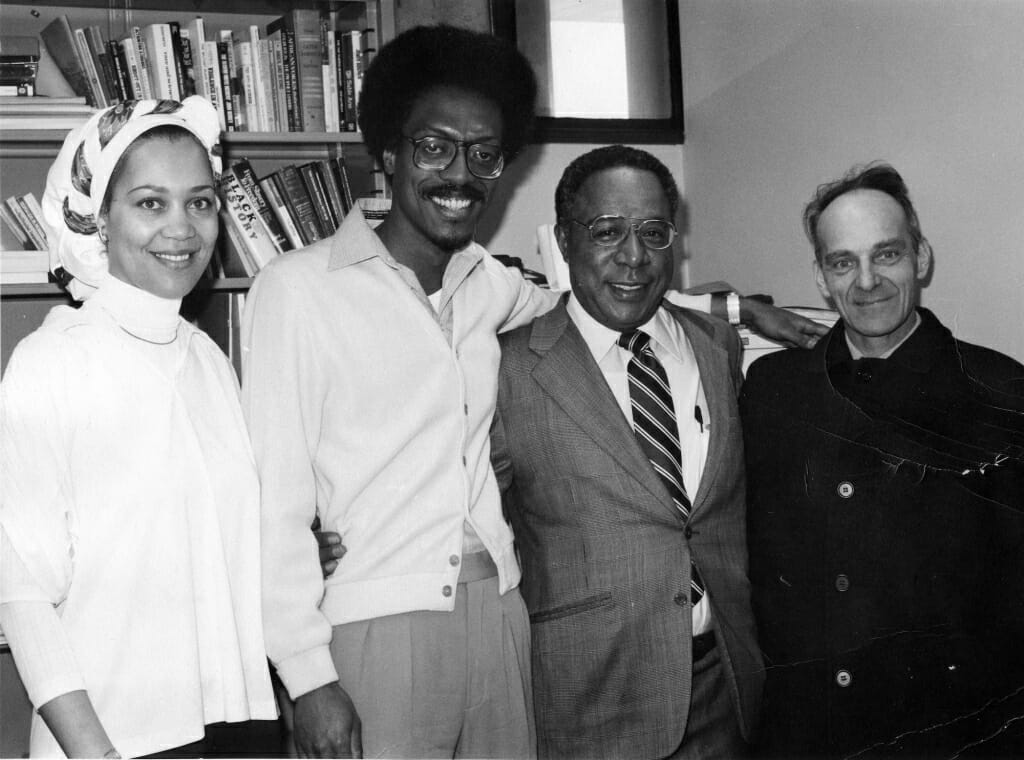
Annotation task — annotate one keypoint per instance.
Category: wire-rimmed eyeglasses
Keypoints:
(610, 230)
(436, 153)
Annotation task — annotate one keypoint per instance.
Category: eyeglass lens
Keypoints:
(612, 230)
(437, 153)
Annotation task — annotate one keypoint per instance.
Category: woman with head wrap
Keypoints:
(129, 564)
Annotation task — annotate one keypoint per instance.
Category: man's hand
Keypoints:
(326, 724)
(331, 550)
(778, 324)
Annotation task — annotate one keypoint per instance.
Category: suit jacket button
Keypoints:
(446, 591)
(842, 582)
(845, 489)
(844, 678)
(688, 532)
(681, 599)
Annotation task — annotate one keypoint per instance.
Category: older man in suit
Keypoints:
(617, 441)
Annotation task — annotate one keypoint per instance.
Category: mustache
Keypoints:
(452, 191)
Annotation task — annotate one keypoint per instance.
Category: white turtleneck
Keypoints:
(130, 544)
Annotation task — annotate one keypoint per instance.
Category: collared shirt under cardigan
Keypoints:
(130, 502)
(398, 471)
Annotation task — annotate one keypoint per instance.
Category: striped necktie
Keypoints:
(654, 424)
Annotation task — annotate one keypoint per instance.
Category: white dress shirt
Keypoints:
(673, 350)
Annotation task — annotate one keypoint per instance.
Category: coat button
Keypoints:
(844, 678)
(454, 560)
(688, 532)
(845, 489)
(681, 599)
(446, 591)
(842, 582)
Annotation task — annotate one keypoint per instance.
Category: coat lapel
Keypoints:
(713, 365)
(568, 373)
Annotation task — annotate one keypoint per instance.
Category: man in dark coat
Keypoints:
(886, 508)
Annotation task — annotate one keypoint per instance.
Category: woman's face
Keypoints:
(161, 222)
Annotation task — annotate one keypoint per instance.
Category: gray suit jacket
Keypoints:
(606, 555)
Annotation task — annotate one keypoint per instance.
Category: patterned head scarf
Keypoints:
(79, 178)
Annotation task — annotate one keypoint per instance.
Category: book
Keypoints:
(117, 56)
(213, 86)
(278, 86)
(163, 74)
(243, 170)
(240, 214)
(280, 210)
(34, 231)
(325, 169)
(16, 229)
(294, 192)
(304, 25)
(145, 75)
(341, 174)
(92, 75)
(314, 186)
(262, 81)
(352, 53)
(375, 210)
(103, 64)
(247, 84)
(329, 72)
(196, 33)
(133, 70)
(25, 262)
(233, 90)
(60, 43)
(232, 255)
(35, 213)
(182, 61)
(227, 102)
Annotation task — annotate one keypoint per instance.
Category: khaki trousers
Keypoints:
(444, 684)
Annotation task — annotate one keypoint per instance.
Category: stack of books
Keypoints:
(263, 217)
(24, 267)
(43, 113)
(302, 73)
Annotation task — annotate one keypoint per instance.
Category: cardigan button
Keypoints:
(454, 560)
(844, 678)
(845, 489)
(842, 582)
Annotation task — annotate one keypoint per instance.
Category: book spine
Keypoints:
(98, 50)
(247, 221)
(211, 75)
(163, 75)
(341, 173)
(124, 80)
(35, 212)
(300, 203)
(333, 190)
(178, 57)
(231, 123)
(235, 84)
(292, 82)
(145, 70)
(197, 44)
(348, 56)
(247, 179)
(280, 208)
(14, 225)
(266, 92)
(236, 251)
(243, 59)
(21, 213)
(98, 98)
(277, 71)
(307, 54)
(316, 193)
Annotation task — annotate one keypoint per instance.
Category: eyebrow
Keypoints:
(890, 243)
(161, 189)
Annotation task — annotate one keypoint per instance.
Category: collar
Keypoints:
(918, 352)
(856, 353)
(601, 339)
(356, 242)
(138, 312)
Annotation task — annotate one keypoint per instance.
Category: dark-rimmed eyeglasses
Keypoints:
(436, 153)
(608, 230)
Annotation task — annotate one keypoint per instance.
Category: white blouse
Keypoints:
(129, 504)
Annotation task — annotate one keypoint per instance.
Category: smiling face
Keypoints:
(620, 286)
(439, 207)
(869, 268)
(161, 220)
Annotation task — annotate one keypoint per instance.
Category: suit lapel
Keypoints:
(713, 365)
(568, 373)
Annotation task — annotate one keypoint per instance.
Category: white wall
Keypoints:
(782, 95)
